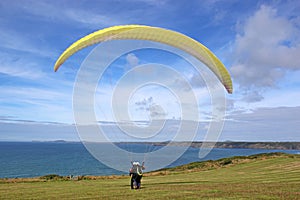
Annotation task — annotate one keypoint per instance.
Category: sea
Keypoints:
(34, 159)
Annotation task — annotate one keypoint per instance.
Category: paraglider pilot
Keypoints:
(136, 174)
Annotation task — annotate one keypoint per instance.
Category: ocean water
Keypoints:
(32, 159)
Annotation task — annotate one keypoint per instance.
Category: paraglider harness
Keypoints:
(136, 174)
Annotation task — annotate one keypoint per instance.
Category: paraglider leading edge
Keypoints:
(141, 32)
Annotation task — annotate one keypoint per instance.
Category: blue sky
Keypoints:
(258, 41)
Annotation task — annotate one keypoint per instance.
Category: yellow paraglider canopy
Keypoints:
(156, 34)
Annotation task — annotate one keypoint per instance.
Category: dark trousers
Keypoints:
(137, 179)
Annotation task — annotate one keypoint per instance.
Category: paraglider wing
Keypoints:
(139, 32)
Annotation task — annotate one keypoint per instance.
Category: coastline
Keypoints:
(190, 167)
(65, 156)
(231, 145)
(289, 145)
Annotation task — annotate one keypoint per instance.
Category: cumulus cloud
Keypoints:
(197, 81)
(132, 60)
(193, 81)
(155, 110)
(267, 46)
(252, 96)
(145, 103)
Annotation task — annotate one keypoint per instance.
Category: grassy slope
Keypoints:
(256, 177)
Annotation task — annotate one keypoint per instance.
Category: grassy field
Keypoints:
(267, 176)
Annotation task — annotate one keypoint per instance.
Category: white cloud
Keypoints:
(90, 18)
(17, 66)
(267, 47)
(31, 130)
(132, 60)
(65, 13)
(39, 103)
(263, 124)
(252, 96)
(19, 41)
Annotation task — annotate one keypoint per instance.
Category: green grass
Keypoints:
(267, 176)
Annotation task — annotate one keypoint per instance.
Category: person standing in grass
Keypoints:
(136, 174)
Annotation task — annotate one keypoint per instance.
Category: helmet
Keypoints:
(136, 163)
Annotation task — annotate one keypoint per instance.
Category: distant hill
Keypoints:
(257, 145)
(242, 145)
